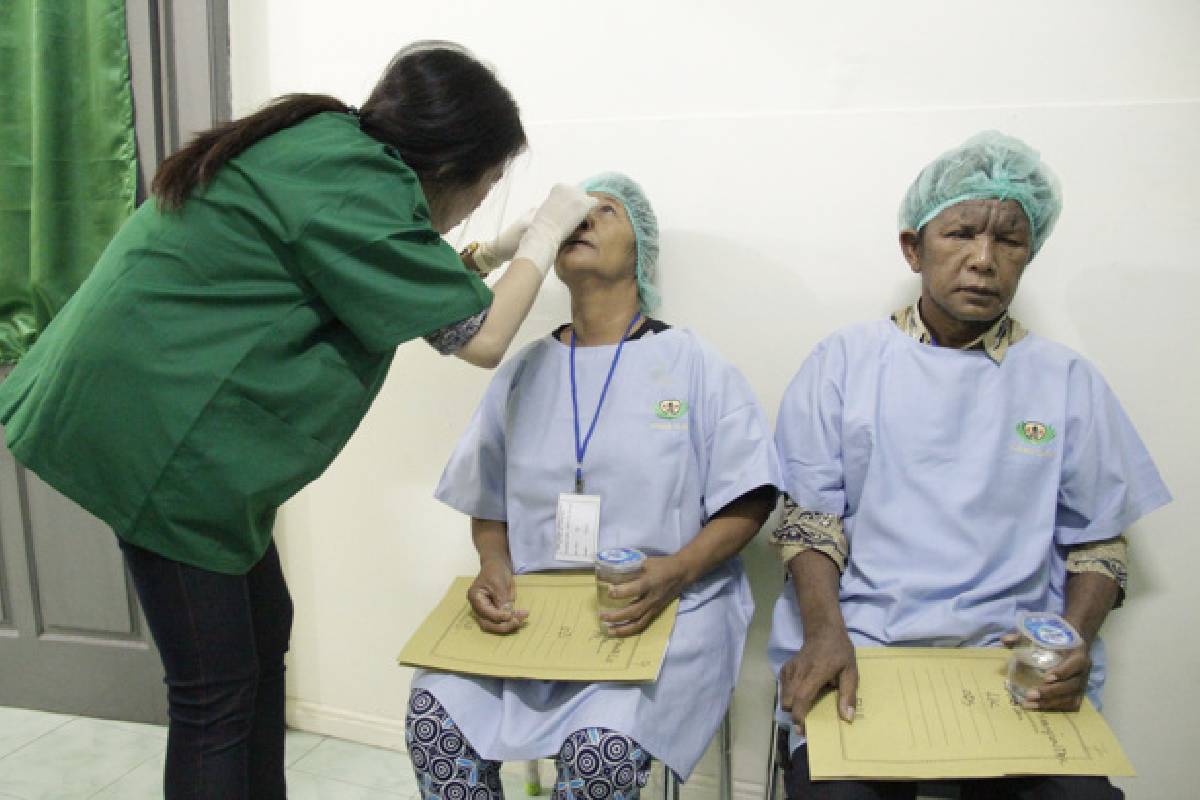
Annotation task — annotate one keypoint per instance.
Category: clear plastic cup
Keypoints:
(614, 567)
(1045, 641)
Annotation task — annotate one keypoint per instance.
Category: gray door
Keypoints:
(72, 638)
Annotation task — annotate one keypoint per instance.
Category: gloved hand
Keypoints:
(554, 221)
(490, 255)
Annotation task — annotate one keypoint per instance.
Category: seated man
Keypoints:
(946, 469)
(669, 436)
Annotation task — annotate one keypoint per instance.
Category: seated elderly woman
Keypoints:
(670, 437)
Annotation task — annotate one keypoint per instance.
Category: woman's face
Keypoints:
(603, 245)
(450, 205)
(970, 257)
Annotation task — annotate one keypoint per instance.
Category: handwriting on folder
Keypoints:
(926, 713)
(562, 639)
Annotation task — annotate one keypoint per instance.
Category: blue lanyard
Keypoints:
(581, 449)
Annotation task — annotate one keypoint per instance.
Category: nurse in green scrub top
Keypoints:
(231, 338)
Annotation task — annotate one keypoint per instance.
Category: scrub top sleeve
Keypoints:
(1108, 478)
(808, 433)
(387, 281)
(474, 479)
(741, 455)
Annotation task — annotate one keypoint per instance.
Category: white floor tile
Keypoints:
(158, 731)
(75, 760)
(360, 765)
(19, 727)
(512, 776)
(304, 786)
(514, 786)
(299, 744)
(145, 782)
(46, 756)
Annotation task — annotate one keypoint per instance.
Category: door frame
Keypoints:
(179, 68)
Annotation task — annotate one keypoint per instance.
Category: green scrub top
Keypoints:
(219, 357)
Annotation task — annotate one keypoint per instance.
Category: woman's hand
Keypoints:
(663, 579)
(514, 293)
(556, 219)
(492, 596)
(488, 256)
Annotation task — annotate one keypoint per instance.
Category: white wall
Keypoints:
(776, 139)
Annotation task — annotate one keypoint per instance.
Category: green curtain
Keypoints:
(68, 164)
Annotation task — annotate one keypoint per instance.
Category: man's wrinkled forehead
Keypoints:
(1006, 214)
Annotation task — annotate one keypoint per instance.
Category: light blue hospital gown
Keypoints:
(660, 480)
(958, 514)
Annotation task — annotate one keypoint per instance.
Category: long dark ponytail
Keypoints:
(446, 114)
(194, 165)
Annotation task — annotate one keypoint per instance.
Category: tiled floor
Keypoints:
(55, 757)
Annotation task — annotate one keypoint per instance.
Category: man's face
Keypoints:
(970, 257)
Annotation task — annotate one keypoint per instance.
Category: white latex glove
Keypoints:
(555, 220)
(490, 255)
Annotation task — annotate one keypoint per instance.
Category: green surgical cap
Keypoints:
(645, 229)
(989, 165)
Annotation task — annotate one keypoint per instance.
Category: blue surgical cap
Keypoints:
(989, 165)
(645, 229)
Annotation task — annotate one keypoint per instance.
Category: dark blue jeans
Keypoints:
(222, 639)
(800, 786)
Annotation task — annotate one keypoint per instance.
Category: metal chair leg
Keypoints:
(772, 779)
(724, 757)
(724, 765)
(670, 784)
(533, 778)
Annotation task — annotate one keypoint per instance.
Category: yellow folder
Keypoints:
(561, 640)
(928, 713)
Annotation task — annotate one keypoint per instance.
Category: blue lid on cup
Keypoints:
(1049, 631)
(621, 559)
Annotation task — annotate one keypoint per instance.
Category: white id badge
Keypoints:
(577, 527)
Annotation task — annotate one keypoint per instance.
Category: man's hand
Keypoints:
(663, 579)
(825, 660)
(1064, 686)
(492, 595)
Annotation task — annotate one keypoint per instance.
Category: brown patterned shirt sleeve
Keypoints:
(1108, 557)
(801, 529)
